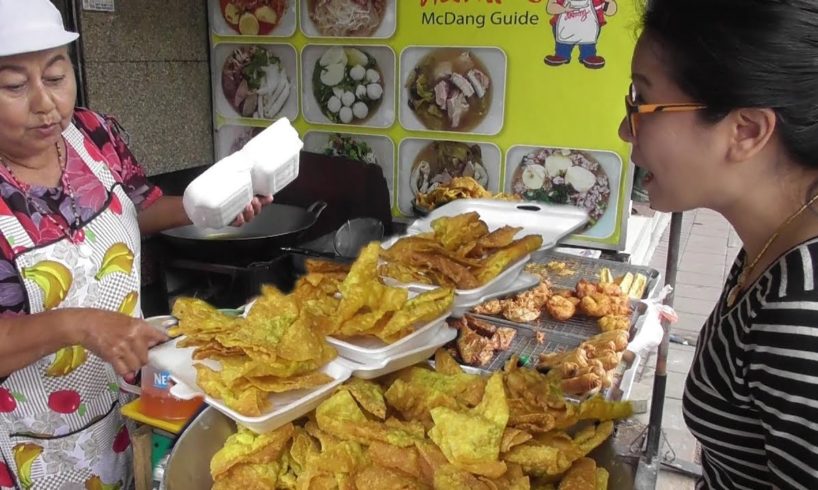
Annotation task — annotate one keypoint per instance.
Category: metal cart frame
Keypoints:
(651, 462)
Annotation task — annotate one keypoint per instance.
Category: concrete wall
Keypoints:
(147, 64)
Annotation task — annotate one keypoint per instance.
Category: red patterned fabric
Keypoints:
(105, 141)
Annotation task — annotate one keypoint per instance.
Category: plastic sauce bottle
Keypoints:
(156, 400)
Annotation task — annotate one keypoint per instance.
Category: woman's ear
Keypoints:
(751, 130)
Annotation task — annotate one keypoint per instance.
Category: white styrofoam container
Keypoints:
(376, 368)
(217, 196)
(367, 348)
(521, 283)
(275, 156)
(264, 166)
(552, 222)
(284, 407)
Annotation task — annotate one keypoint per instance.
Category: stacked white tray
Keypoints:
(365, 357)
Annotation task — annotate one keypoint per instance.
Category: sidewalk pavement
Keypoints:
(708, 247)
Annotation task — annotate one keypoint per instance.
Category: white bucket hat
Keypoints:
(27, 26)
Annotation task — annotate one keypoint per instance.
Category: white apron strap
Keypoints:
(14, 233)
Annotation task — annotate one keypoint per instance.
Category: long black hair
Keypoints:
(731, 54)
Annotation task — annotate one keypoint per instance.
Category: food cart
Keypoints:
(517, 118)
(539, 336)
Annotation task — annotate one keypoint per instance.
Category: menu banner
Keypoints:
(524, 96)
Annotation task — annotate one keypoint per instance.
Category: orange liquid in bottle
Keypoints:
(156, 400)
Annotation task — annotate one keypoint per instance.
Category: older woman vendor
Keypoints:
(73, 204)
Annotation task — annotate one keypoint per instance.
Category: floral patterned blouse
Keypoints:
(102, 132)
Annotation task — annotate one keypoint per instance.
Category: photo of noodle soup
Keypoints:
(348, 18)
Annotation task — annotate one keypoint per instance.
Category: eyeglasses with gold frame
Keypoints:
(633, 109)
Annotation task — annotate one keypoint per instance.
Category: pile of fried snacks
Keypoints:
(458, 188)
(459, 253)
(281, 345)
(422, 428)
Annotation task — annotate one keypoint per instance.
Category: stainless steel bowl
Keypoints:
(189, 462)
(188, 465)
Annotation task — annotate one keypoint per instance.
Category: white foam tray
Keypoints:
(376, 368)
(522, 282)
(367, 348)
(552, 222)
(498, 285)
(284, 407)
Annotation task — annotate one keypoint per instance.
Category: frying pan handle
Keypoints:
(317, 208)
(308, 252)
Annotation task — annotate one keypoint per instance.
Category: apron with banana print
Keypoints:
(60, 425)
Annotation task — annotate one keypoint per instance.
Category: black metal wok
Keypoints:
(278, 225)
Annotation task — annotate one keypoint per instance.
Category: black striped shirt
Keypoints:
(751, 398)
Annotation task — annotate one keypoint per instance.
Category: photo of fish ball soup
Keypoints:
(564, 176)
(426, 165)
(453, 89)
(254, 17)
(258, 81)
(349, 85)
(347, 18)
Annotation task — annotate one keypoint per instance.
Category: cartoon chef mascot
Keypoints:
(577, 23)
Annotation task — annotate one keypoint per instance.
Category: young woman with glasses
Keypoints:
(723, 114)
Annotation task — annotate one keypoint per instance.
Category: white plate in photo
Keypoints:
(337, 75)
(275, 18)
(378, 150)
(416, 176)
(381, 18)
(469, 84)
(279, 99)
(598, 171)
